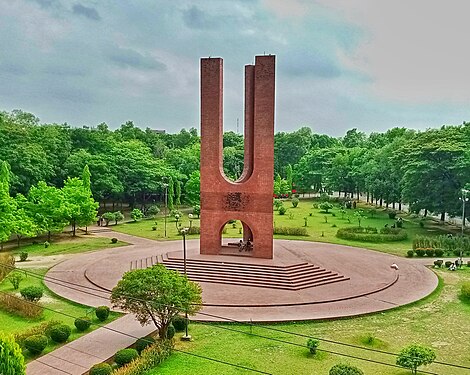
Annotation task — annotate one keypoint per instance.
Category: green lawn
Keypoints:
(68, 245)
(318, 229)
(11, 323)
(441, 321)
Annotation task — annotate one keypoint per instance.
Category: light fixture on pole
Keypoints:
(165, 185)
(464, 199)
(185, 231)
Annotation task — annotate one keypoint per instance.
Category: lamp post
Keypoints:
(464, 199)
(184, 231)
(165, 185)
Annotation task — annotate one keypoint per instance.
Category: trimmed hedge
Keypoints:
(101, 369)
(36, 344)
(149, 358)
(102, 313)
(19, 306)
(144, 343)
(288, 231)
(370, 234)
(125, 356)
(60, 333)
(82, 324)
(32, 293)
(40, 329)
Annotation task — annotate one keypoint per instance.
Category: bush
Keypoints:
(101, 369)
(144, 343)
(170, 333)
(326, 206)
(420, 252)
(438, 252)
(179, 322)
(345, 370)
(7, 264)
(32, 293)
(102, 313)
(392, 214)
(23, 256)
(282, 210)
(125, 356)
(295, 202)
(194, 230)
(35, 344)
(288, 231)
(448, 263)
(277, 203)
(46, 244)
(19, 306)
(136, 214)
(410, 253)
(15, 279)
(82, 324)
(150, 358)
(465, 291)
(438, 263)
(369, 234)
(114, 240)
(60, 333)
(430, 252)
(40, 329)
(312, 345)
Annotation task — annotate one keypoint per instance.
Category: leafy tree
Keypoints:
(136, 214)
(289, 178)
(153, 211)
(342, 369)
(23, 223)
(157, 295)
(414, 356)
(326, 206)
(79, 206)
(46, 207)
(359, 214)
(233, 162)
(277, 185)
(118, 216)
(7, 205)
(197, 210)
(171, 193)
(108, 216)
(192, 188)
(11, 356)
(178, 192)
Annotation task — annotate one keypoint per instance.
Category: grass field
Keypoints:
(56, 308)
(319, 229)
(66, 244)
(440, 321)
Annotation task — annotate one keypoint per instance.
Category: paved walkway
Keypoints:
(78, 356)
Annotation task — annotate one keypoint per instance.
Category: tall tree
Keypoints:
(171, 193)
(7, 205)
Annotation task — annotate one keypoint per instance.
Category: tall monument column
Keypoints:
(248, 199)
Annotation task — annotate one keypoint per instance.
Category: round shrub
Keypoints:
(101, 369)
(282, 210)
(420, 252)
(410, 253)
(125, 356)
(82, 324)
(465, 291)
(430, 252)
(312, 345)
(60, 333)
(438, 252)
(46, 244)
(448, 263)
(102, 313)
(295, 202)
(392, 214)
(114, 240)
(179, 322)
(32, 293)
(345, 370)
(35, 344)
(23, 256)
(143, 343)
(438, 263)
(170, 333)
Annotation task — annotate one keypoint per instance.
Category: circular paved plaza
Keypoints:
(304, 281)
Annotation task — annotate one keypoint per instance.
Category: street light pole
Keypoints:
(184, 231)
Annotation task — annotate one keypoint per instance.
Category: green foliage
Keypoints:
(156, 294)
(170, 193)
(465, 291)
(414, 356)
(282, 210)
(295, 202)
(288, 231)
(82, 324)
(7, 264)
(410, 253)
(125, 356)
(32, 293)
(102, 313)
(136, 214)
(197, 210)
(40, 329)
(144, 343)
(19, 306)
(60, 333)
(114, 240)
(359, 214)
(11, 356)
(101, 369)
(178, 192)
(108, 216)
(326, 206)
(342, 369)
(36, 344)
(170, 332)
(277, 204)
(153, 211)
(192, 189)
(118, 216)
(7, 204)
(151, 357)
(312, 345)
(392, 214)
(452, 245)
(23, 256)
(15, 279)
(179, 322)
(368, 234)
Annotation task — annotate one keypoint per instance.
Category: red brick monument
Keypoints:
(249, 199)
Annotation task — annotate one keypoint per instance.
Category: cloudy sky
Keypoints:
(370, 64)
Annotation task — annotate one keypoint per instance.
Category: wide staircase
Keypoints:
(289, 277)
